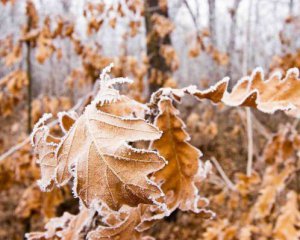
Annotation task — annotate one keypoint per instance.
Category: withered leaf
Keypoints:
(96, 146)
(254, 91)
(45, 146)
(178, 175)
(66, 120)
(76, 225)
(66, 227)
(273, 183)
(124, 107)
(288, 222)
(33, 200)
(123, 229)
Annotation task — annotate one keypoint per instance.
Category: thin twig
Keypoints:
(223, 175)
(194, 18)
(257, 125)
(14, 149)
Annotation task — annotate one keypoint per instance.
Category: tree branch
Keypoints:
(228, 182)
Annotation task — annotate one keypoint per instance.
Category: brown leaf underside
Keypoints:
(178, 175)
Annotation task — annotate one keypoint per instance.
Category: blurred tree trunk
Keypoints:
(157, 64)
(212, 20)
(29, 77)
(256, 34)
(247, 42)
(291, 7)
(231, 45)
(213, 74)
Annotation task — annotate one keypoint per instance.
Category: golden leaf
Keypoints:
(195, 50)
(33, 200)
(14, 56)
(170, 56)
(273, 183)
(178, 175)
(266, 95)
(97, 146)
(45, 146)
(76, 225)
(288, 222)
(124, 107)
(67, 227)
(162, 25)
(124, 229)
(66, 120)
(96, 152)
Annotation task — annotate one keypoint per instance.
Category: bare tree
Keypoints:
(30, 24)
(156, 61)
(291, 7)
(212, 20)
(231, 45)
(247, 42)
(256, 33)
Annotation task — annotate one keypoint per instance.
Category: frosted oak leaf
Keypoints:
(183, 159)
(125, 229)
(267, 95)
(288, 222)
(105, 167)
(66, 227)
(44, 147)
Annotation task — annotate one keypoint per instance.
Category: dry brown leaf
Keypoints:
(170, 56)
(14, 56)
(178, 176)
(30, 200)
(162, 25)
(288, 222)
(12, 88)
(282, 146)
(52, 228)
(94, 25)
(113, 22)
(134, 27)
(44, 147)
(76, 225)
(46, 104)
(216, 230)
(97, 145)
(14, 82)
(33, 200)
(124, 107)
(66, 120)
(66, 227)
(254, 91)
(96, 152)
(4, 2)
(273, 183)
(195, 50)
(122, 229)
(45, 48)
(245, 184)
(163, 5)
